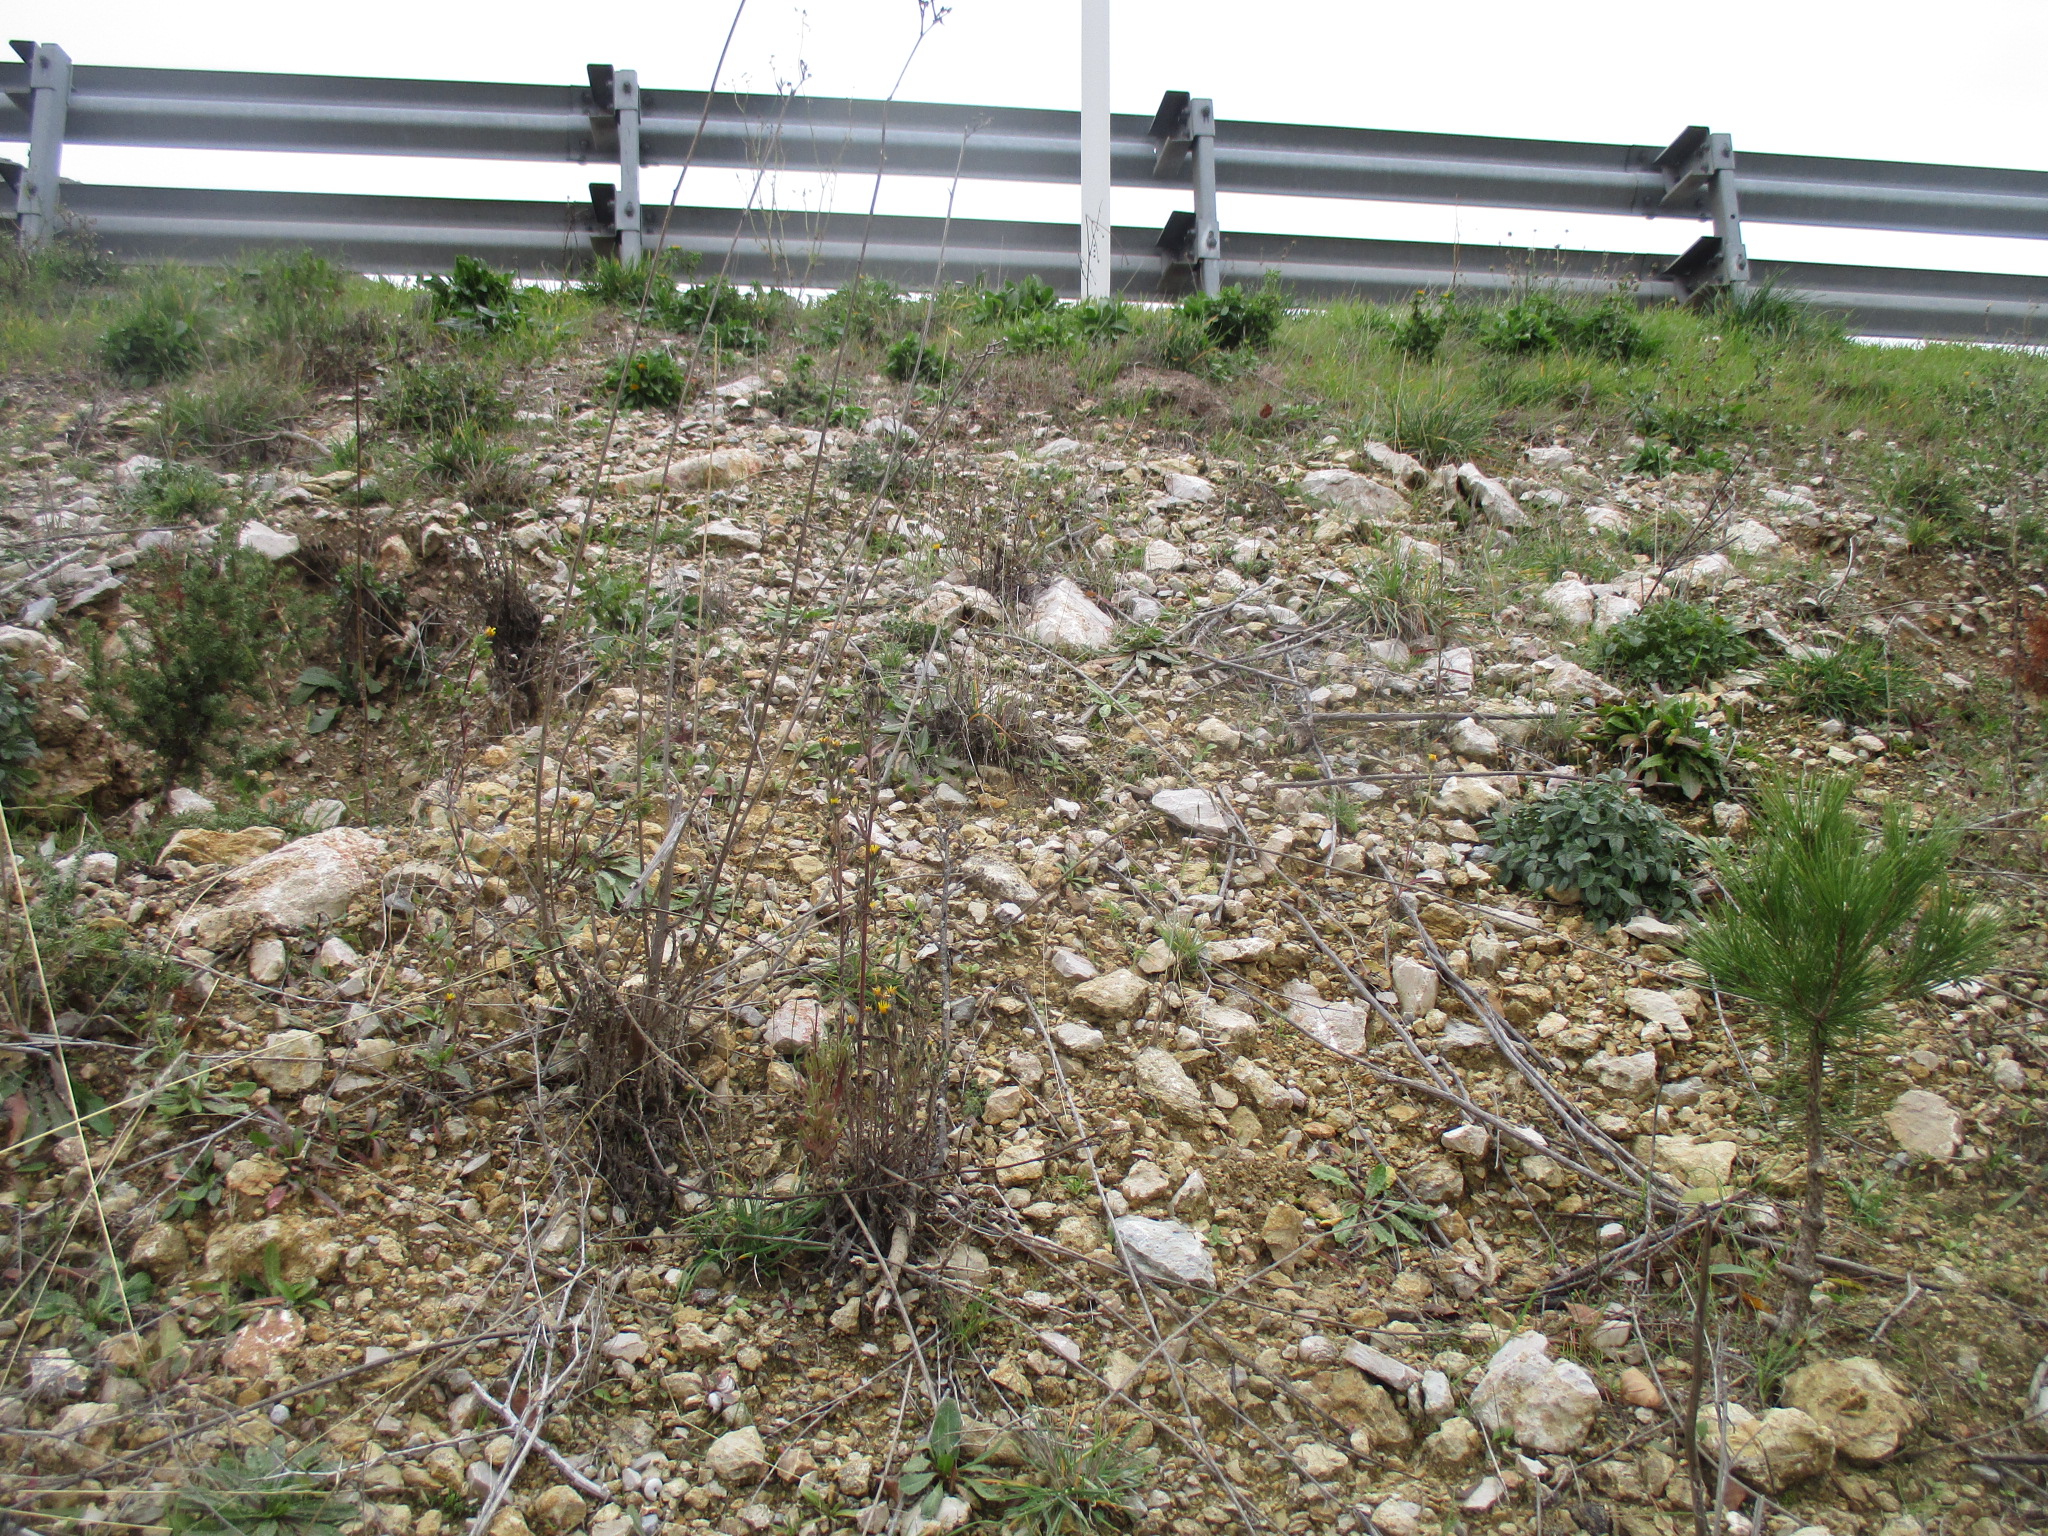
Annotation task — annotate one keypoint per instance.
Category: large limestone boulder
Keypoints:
(1773, 1449)
(308, 881)
(1859, 1402)
(1545, 1404)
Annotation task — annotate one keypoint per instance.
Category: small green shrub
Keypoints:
(88, 970)
(163, 333)
(726, 317)
(1236, 320)
(171, 493)
(240, 418)
(442, 396)
(910, 361)
(205, 633)
(1859, 684)
(645, 381)
(475, 297)
(18, 748)
(1665, 744)
(810, 401)
(865, 311)
(1538, 322)
(1618, 852)
(1420, 333)
(1012, 301)
(1672, 644)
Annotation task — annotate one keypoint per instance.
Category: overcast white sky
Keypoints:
(1960, 83)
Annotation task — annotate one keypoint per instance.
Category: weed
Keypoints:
(105, 1305)
(18, 748)
(1617, 853)
(937, 1468)
(1662, 744)
(441, 397)
(475, 297)
(1377, 1217)
(260, 1493)
(871, 467)
(1672, 644)
(725, 317)
(1012, 301)
(163, 333)
(758, 1235)
(1420, 333)
(1870, 1200)
(625, 285)
(645, 381)
(88, 970)
(1763, 309)
(240, 417)
(205, 632)
(1859, 683)
(1184, 945)
(1343, 811)
(488, 475)
(863, 311)
(1918, 488)
(173, 493)
(807, 400)
(1236, 320)
(909, 361)
(1402, 600)
(1073, 1483)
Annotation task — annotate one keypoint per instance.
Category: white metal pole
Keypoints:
(1095, 226)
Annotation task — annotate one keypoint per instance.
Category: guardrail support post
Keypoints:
(615, 124)
(1184, 128)
(1699, 179)
(626, 109)
(41, 193)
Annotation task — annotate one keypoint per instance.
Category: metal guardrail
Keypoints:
(610, 120)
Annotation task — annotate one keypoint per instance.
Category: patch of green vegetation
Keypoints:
(1662, 744)
(1617, 853)
(475, 298)
(242, 416)
(645, 381)
(443, 396)
(18, 748)
(1860, 683)
(757, 1234)
(162, 333)
(724, 316)
(260, 1492)
(174, 682)
(176, 493)
(1671, 644)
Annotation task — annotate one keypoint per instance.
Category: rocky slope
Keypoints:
(1294, 1172)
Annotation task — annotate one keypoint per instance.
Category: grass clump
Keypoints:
(162, 334)
(1860, 684)
(758, 1235)
(1827, 925)
(1437, 426)
(1672, 644)
(646, 381)
(260, 1492)
(172, 493)
(243, 417)
(910, 361)
(442, 396)
(172, 684)
(87, 970)
(1619, 854)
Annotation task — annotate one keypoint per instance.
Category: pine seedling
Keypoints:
(1826, 926)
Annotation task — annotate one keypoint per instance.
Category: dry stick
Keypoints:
(1914, 1291)
(561, 1463)
(1690, 1429)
